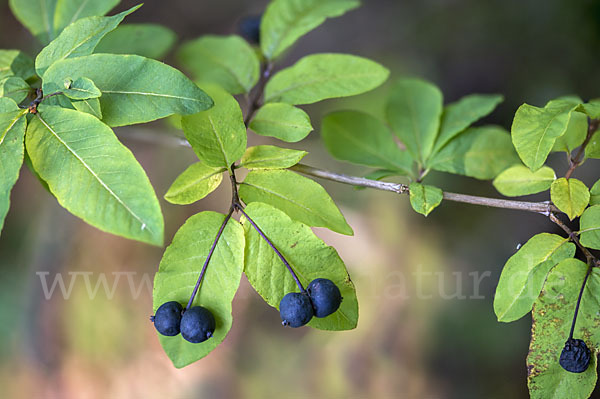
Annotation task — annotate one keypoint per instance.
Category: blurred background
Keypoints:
(427, 327)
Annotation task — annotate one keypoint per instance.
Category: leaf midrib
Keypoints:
(98, 179)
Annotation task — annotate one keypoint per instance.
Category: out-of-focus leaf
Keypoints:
(285, 21)
(321, 76)
(147, 40)
(413, 111)
(228, 61)
(363, 139)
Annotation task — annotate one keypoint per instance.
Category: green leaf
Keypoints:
(590, 227)
(282, 121)
(301, 198)
(591, 108)
(308, 256)
(93, 175)
(520, 180)
(14, 88)
(552, 315)
(179, 269)
(228, 61)
(89, 106)
(16, 63)
(423, 198)
(571, 196)
(413, 111)
(460, 115)
(134, 89)
(363, 139)
(574, 135)
(78, 39)
(12, 130)
(270, 157)
(81, 89)
(69, 11)
(524, 274)
(218, 136)
(321, 76)
(147, 40)
(479, 152)
(595, 194)
(593, 148)
(285, 21)
(36, 16)
(195, 183)
(535, 130)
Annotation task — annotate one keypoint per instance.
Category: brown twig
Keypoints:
(576, 161)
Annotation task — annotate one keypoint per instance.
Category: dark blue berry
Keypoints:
(295, 309)
(325, 296)
(575, 356)
(167, 318)
(249, 28)
(197, 324)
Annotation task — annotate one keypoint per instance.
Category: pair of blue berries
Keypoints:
(321, 298)
(196, 324)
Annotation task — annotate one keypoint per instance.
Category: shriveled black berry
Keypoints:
(197, 324)
(325, 296)
(249, 28)
(575, 356)
(295, 309)
(167, 318)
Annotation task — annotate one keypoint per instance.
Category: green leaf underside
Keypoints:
(301, 198)
(179, 270)
(308, 256)
(36, 16)
(89, 106)
(12, 130)
(459, 115)
(360, 138)
(147, 40)
(227, 61)
(520, 180)
(15, 88)
(574, 135)
(285, 21)
(93, 175)
(218, 136)
(589, 225)
(535, 130)
(424, 198)
(595, 194)
(270, 157)
(78, 39)
(321, 76)
(195, 183)
(571, 196)
(479, 152)
(413, 111)
(552, 315)
(16, 63)
(134, 89)
(81, 89)
(524, 274)
(282, 121)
